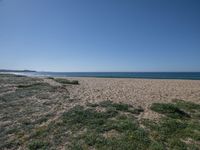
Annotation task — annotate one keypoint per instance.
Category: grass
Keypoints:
(16, 79)
(86, 128)
(96, 124)
(24, 109)
(170, 110)
(25, 91)
(65, 81)
(190, 107)
(172, 131)
(4, 89)
(121, 107)
(38, 145)
(179, 125)
(79, 117)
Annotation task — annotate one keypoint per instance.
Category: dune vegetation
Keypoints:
(38, 115)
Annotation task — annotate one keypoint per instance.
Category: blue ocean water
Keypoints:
(143, 75)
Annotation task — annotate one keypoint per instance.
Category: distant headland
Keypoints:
(7, 70)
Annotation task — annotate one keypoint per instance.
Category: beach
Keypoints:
(140, 92)
(50, 112)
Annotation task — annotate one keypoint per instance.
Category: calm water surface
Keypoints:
(143, 75)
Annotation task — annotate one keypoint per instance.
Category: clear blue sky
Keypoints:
(100, 35)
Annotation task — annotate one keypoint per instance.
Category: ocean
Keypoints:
(141, 75)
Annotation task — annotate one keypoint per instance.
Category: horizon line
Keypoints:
(30, 70)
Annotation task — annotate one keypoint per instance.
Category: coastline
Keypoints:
(121, 75)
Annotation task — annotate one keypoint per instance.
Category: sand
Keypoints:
(138, 92)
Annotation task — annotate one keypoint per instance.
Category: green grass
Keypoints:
(88, 127)
(84, 128)
(27, 106)
(130, 134)
(117, 106)
(25, 91)
(192, 108)
(38, 145)
(170, 110)
(169, 132)
(65, 81)
(79, 117)
(179, 125)
(121, 107)
(16, 79)
(115, 127)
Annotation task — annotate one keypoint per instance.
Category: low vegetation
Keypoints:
(180, 129)
(16, 79)
(30, 119)
(65, 81)
(25, 104)
(170, 110)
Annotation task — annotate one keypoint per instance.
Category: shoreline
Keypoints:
(72, 77)
(148, 75)
(125, 78)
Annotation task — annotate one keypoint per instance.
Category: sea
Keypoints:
(138, 75)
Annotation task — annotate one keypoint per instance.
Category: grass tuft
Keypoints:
(120, 107)
(169, 110)
(38, 145)
(65, 81)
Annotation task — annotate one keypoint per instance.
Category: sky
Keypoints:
(100, 35)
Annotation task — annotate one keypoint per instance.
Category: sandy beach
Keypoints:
(55, 113)
(140, 92)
